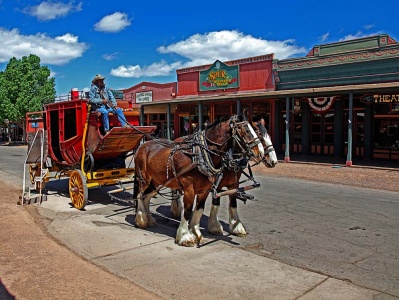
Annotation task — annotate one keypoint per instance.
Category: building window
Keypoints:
(386, 133)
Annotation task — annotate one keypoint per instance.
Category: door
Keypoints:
(322, 133)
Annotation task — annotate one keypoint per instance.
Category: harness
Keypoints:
(197, 147)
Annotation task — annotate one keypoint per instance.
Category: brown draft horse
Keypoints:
(159, 164)
(230, 180)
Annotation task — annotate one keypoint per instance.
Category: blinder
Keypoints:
(240, 132)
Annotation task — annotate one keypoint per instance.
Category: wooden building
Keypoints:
(340, 93)
(341, 100)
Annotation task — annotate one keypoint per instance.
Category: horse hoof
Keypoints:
(215, 229)
(215, 232)
(186, 243)
(238, 230)
(152, 223)
(140, 221)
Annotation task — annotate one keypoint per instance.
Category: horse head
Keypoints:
(270, 157)
(245, 137)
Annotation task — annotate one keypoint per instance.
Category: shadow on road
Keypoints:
(4, 293)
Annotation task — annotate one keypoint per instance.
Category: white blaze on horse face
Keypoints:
(272, 154)
(261, 150)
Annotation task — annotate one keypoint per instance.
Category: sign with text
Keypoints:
(218, 76)
(389, 98)
(144, 97)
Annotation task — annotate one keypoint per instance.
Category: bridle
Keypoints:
(240, 130)
(268, 148)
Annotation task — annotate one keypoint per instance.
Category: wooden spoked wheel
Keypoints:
(78, 189)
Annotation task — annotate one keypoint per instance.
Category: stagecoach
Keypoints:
(67, 139)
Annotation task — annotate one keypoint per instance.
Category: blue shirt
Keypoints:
(95, 96)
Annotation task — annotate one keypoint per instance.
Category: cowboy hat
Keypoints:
(98, 77)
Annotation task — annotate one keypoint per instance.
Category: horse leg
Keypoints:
(184, 236)
(177, 204)
(214, 225)
(141, 213)
(235, 227)
(196, 218)
(151, 220)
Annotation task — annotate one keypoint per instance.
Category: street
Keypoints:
(319, 234)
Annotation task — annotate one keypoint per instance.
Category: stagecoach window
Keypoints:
(69, 123)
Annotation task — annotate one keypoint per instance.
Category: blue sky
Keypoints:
(134, 41)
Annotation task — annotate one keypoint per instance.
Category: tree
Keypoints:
(25, 86)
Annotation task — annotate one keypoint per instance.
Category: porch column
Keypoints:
(141, 117)
(287, 129)
(200, 116)
(168, 123)
(350, 118)
(238, 106)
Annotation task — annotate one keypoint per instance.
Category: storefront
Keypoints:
(351, 102)
(339, 101)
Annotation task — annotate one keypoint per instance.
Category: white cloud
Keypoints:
(48, 10)
(357, 35)
(113, 23)
(56, 51)
(156, 69)
(202, 49)
(324, 37)
(368, 26)
(110, 56)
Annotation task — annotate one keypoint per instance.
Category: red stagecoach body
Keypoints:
(73, 139)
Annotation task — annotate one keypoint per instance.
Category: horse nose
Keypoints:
(272, 164)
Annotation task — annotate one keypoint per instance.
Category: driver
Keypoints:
(105, 101)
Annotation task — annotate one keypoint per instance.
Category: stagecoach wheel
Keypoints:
(78, 189)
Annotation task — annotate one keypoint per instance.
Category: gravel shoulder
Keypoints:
(34, 266)
(366, 177)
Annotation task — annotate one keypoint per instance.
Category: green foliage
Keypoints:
(25, 86)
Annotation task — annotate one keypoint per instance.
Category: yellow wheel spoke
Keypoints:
(78, 189)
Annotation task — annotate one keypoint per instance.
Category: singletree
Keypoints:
(25, 86)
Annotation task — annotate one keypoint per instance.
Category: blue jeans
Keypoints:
(105, 110)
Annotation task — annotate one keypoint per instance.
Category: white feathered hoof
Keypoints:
(185, 238)
(237, 229)
(141, 220)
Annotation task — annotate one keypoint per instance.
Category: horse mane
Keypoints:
(262, 128)
(215, 123)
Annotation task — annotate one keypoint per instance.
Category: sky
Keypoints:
(130, 42)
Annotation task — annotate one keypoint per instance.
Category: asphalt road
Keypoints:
(333, 231)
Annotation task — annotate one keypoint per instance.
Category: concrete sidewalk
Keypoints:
(104, 234)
